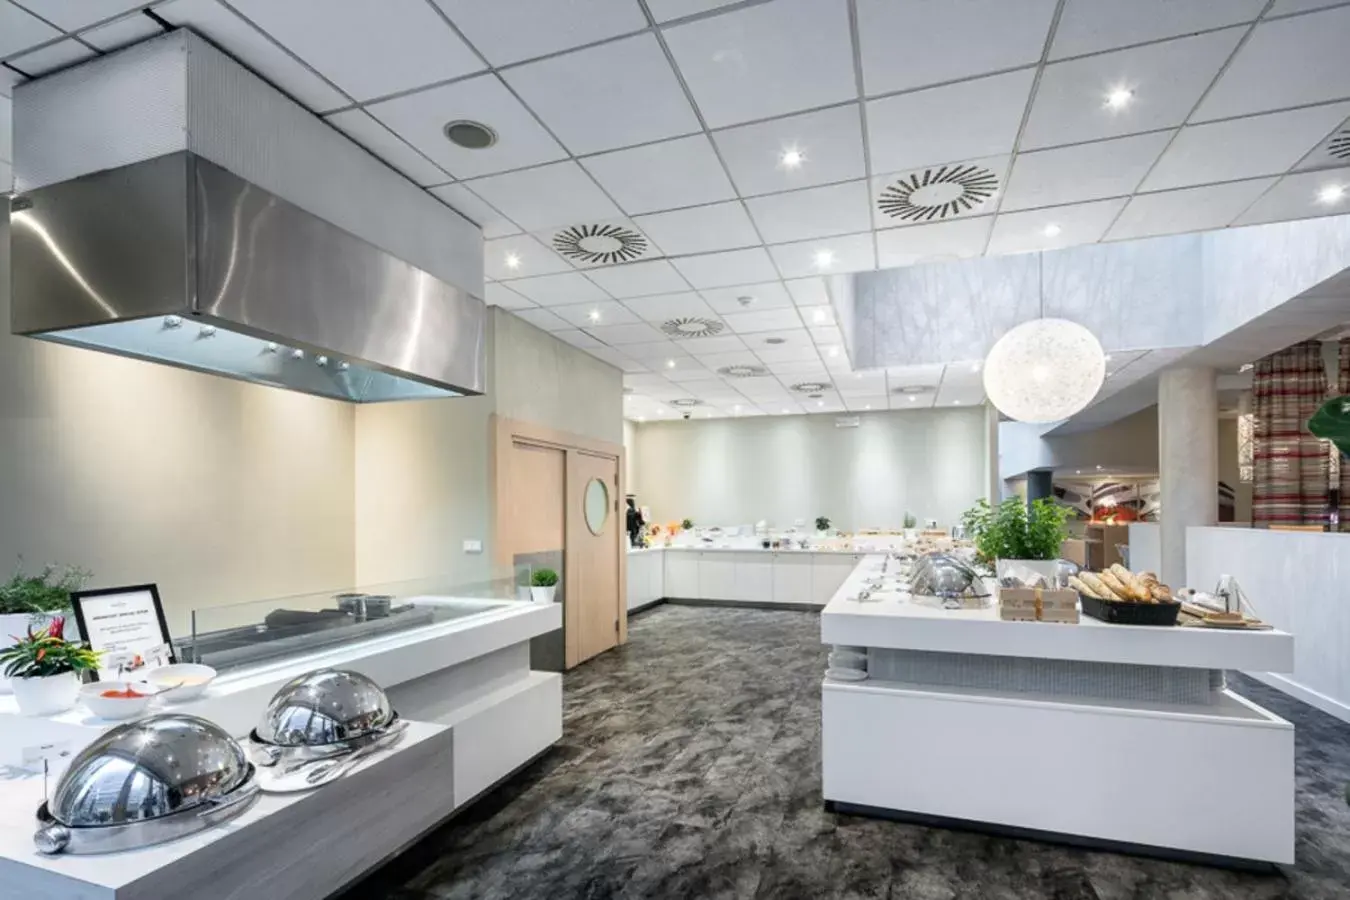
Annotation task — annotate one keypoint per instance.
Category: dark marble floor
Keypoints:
(690, 767)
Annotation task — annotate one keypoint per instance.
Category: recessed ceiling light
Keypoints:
(818, 316)
(1052, 230)
(785, 412)
(1099, 468)
(820, 403)
(736, 408)
(469, 135)
(594, 315)
(642, 418)
(975, 367)
(868, 406)
(1119, 98)
(1078, 471)
(956, 403)
(834, 352)
(670, 364)
(792, 158)
(1107, 357)
(660, 411)
(824, 259)
(912, 398)
(1246, 367)
(1332, 193)
(512, 261)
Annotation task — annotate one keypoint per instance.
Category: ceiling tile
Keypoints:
(764, 320)
(829, 142)
(379, 140)
(808, 291)
(1189, 209)
(639, 279)
(659, 350)
(368, 50)
(1166, 80)
(542, 318)
(847, 253)
(1297, 197)
(911, 376)
(719, 345)
(1049, 229)
(766, 60)
(1243, 148)
(72, 15)
(20, 30)
(420, 118)
(699, 229)
(51, 58)
(1333, 151)
(866, 404)
(1287, 62)
(1091, 26)
(640, 333)
(1084, 172)
(769, 295)
(912, 401)
(939, 242)
(590, 315)
(812, 212)
(940, 192)
(1287, 7)
(681, 376)
(664, 307)
(253, 49)
(578, 95)
(711, 270)
(127, 30)
(558, 290)
(472, 207)
(911, 43)
(508, 31)
(530, 257)
(665, 10)
(820, 317)
(547, 196)
(500, 295)
(683, 172)
(578, 339)
(944, 124)
(798, 354)
(8, 78)
(715, 361)
(616, 359)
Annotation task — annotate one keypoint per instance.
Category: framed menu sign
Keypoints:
(127, 626)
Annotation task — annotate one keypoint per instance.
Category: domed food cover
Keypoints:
(146, 782)
(327, 706)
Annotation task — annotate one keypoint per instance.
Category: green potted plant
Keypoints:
(543, 585)
(687, 525)
(45, 669)
(1011, 533)
(35, 600)
(822, 523)
(911, 525)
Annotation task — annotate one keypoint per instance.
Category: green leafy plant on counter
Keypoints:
(544, 578)
(46, 652)
(910, 520)
(822, 523)
(1012, 531)
(48, 591)
(687, 524)
(1331, 422)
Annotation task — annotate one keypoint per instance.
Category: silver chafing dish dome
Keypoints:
(146, 782)
(325, 707)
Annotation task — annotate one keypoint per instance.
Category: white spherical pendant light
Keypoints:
(1044, 370)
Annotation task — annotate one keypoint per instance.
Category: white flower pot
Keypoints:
(1047, 567)
(15, 625)
(543, 594)
(46, 696)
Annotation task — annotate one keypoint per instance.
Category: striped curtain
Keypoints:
(1343, 387)
(1291, 485)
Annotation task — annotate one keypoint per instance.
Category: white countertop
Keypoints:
(689, 548)
(898, 622)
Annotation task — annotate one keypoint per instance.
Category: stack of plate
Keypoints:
(847, 664)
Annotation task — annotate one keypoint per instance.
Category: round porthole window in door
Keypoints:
(597, 505)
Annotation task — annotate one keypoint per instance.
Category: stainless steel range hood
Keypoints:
(175, 258)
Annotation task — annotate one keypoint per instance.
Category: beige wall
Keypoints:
(217, 490)
(782, 468)
(538, 378)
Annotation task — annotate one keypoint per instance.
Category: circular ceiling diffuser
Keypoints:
(600, 243)
(812, 387)
(692, 327)
(940, 193)
(1340, 145)
(914, 389)
(743, 371)
(775, 341)
(686, 402)
(469, 135)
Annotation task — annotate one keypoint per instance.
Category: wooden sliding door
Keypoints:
(593, 552)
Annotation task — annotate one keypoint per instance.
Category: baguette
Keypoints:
(1114, 585)
(1083, 587)
(1133, 586)
(1099, 590)
(1161, 593)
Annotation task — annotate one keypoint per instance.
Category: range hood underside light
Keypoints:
(230, 279)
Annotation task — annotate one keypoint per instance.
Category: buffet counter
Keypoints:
(741, 576)
(476, 711)
(1109, 735)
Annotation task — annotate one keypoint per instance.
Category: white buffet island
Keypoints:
(1107, 735)
(477, 713)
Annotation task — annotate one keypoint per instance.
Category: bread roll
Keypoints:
(1114, 585)
(1099, 588)
(1132, 583)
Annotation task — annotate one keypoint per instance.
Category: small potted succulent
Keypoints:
(911, 525)
(543, 585)
(35, 600)
(46, 669)
(687, 525)
(822, 523)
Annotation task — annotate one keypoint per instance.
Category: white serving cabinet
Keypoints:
(798, 578)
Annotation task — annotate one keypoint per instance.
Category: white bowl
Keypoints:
(117, 709)
(181, 681)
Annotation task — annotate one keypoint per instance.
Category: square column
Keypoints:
(1188, 461)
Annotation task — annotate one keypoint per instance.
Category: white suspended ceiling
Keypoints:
(922, 131)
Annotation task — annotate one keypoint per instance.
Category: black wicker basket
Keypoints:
(1119, 612)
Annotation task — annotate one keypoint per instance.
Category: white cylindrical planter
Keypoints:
(46, 696)
(543, 594)
(1188, 462)
(15, 625)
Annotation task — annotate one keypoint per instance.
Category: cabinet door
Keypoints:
(754, 577)
(792, 578)
(828, 574)
(682, 574)
(639, 568)
(656, 577)
(717, 576)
